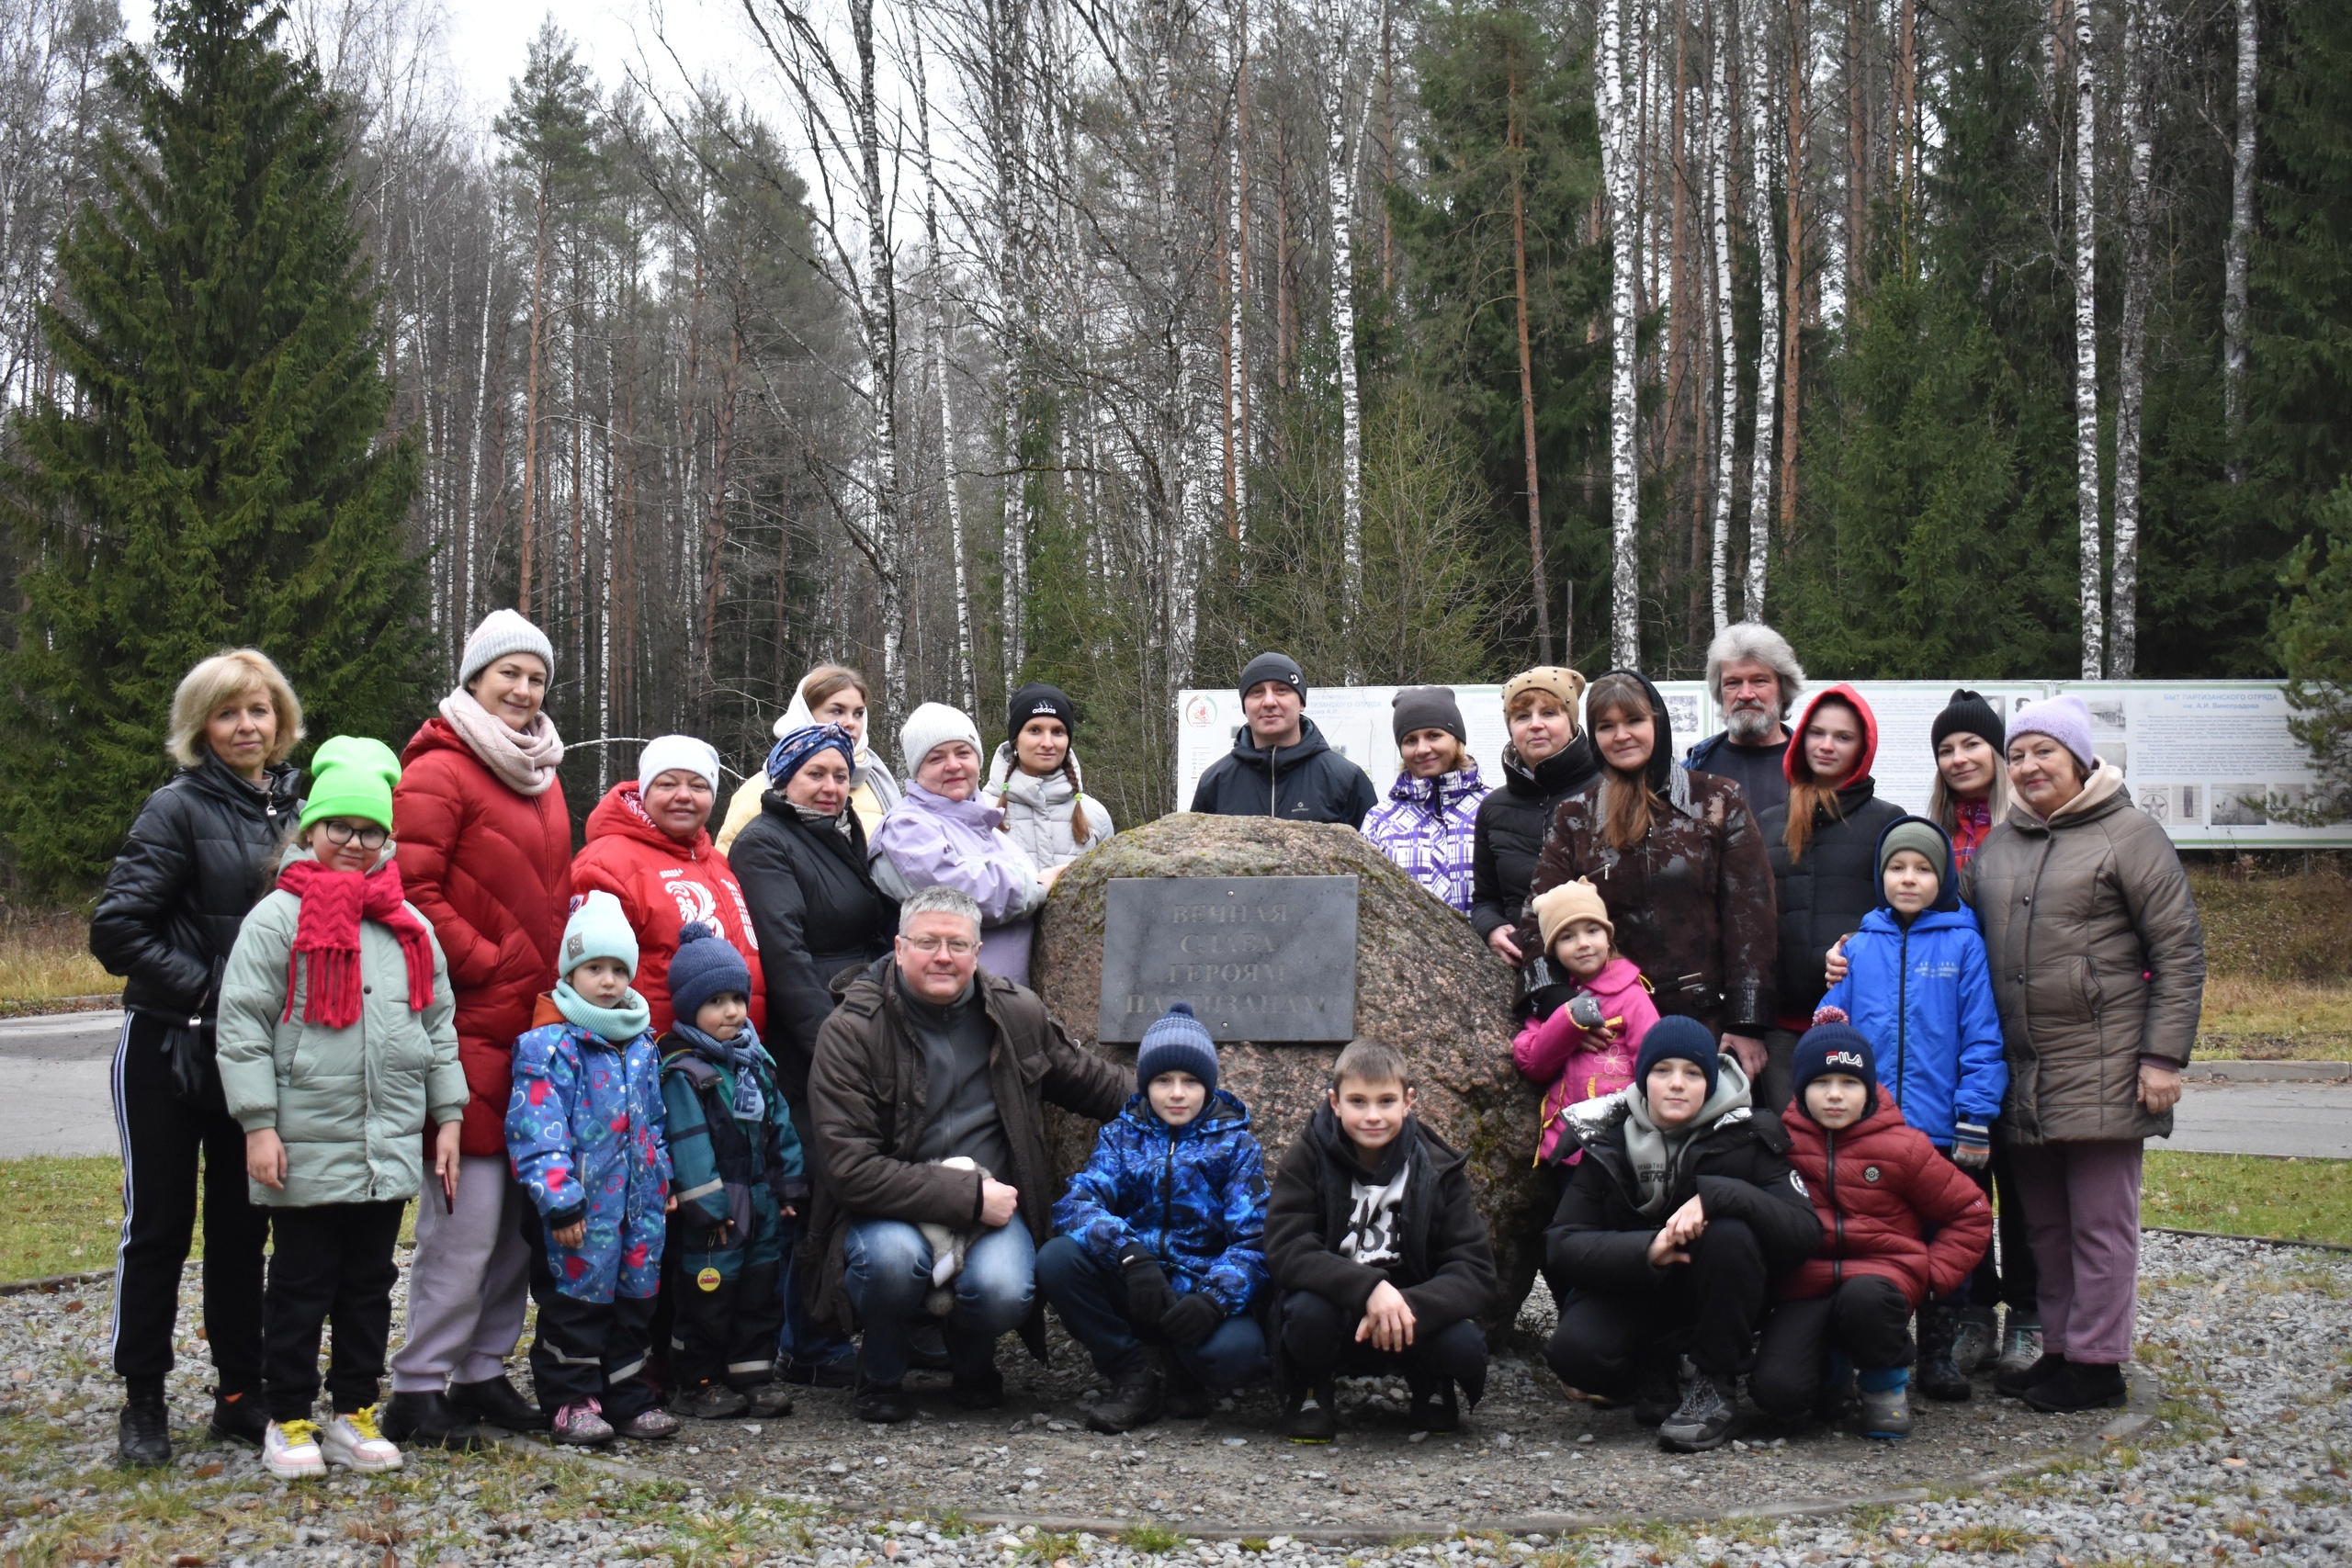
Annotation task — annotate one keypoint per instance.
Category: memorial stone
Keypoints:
(1264, 958)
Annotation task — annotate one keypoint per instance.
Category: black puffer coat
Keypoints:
(1305, 783)
(1509, 835)
(201, 853)
(1824, 895)
(817, 912)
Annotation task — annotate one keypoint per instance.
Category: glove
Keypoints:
(1972, 1145)
(1149, 1293)
(1193, 1319)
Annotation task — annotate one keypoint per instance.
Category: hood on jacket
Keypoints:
(1324, 1131)
(796, 715)
(1794, 766)
(1440, 792)
(1592, 1120)
(622, 813)
(1660, 772)
(1947, 888)
(2102, 786)
(1281, 759)
(1564, 772)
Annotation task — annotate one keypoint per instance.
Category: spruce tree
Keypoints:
(216, 472)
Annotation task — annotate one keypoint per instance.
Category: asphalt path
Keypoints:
(57, 1100)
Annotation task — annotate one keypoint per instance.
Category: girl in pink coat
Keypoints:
(1584, 1047)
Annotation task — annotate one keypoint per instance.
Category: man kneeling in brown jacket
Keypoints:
(927, 1058)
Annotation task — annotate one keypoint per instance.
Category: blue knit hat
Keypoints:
(1177, 1042)
(1834, 1048)
(705, 965)
(1683, 1039)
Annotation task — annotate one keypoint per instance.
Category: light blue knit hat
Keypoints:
(598, 929)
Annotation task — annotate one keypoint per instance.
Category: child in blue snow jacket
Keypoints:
(584, 1130)
(1160, 1237)
(1919, 987)
(736, 1161)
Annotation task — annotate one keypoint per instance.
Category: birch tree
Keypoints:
(1618, 151)
(2241, 241)
(2131, 339)
(1727, 341)
(1767, 292)
(1334, 30)
(2086, 237)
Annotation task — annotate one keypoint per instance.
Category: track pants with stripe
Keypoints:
(587, 1349)
(164, 1139)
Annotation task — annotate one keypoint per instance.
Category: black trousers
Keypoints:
(332, 1261)
(726, 1306)
(588, 1349)
(1865, 1316)
(2007, 1275)
(1707, 1308)
(164, 1141)
(1319, 1343)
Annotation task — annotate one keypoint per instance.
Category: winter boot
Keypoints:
(1182, 1396)
(1939, 1378)
(1434, 1405)
(1657, 1392)
(427, 1420)
(1705, 1419)
(1308, 1415)
(2080, 1385)
(883, 1404)
(1133, 1400)
(983, 1392)
(494, 1402)
(1976, 1343)
(143, 1433)
(2045, 1368)
(1886, 1413)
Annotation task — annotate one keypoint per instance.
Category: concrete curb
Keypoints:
(2257, 1240)
(2137, 1417)
(2226, 1072)
(53, 1282)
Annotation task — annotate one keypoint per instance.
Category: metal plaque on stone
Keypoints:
(1263, 958)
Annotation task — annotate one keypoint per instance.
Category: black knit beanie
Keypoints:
(1968, 713)
(1274, 667)
(1038, 700)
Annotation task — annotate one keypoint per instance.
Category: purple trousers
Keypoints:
(2082, 1210)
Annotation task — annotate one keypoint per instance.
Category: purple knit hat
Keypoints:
(2065, 719)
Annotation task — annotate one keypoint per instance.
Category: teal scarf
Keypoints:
(618, 1025)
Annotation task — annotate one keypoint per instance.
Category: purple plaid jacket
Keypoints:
(1425, 825)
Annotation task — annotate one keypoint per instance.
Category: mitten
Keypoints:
(1193, 1318)
(1149, 1293)
(1972, 1144)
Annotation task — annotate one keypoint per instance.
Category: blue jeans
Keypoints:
(1092, 1299)
(889, 1269)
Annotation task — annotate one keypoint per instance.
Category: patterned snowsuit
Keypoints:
(727, 1297)
(584, 1130)
(1192, 1196)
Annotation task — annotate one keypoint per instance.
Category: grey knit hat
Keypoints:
(503, 632)
(1425, 707)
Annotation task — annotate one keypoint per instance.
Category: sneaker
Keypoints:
(1133, 1400)
(1659, 1392)
(2020, 1350)
(289, 1451)
(581, 1425)
(143, 1434)
(1703, 1420)
(1976, 1343)
(983, 1392)
(650, 1425)
(1434, 1408)
(2081, 1385)
(1886, 1412)
(354, 1442)
(429, 1420)
(710, 1401)
(1308, 1415)
(2018, 1385)
(238, 1418)
(884, 1404)
(494, 1403)
(771, 1400)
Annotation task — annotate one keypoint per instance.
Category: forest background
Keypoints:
(1107, 343)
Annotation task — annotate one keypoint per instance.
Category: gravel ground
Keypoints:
(2248, 1341)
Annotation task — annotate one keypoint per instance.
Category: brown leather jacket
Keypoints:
(1694, 902)
(866, 1092)
(2098, 961)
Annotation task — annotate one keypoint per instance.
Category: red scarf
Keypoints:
(333, 902)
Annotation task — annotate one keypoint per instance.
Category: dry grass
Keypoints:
(44, 957)
(2278, 954)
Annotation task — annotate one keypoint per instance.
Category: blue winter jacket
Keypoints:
(1192, 1196)
(584, 1136)
(1924, 997)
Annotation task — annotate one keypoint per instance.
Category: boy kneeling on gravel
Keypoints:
(1159, 1238)
(1382, 1259)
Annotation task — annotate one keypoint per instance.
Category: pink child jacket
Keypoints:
(1578, 1065)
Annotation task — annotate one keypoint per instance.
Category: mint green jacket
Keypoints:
(351, 1105)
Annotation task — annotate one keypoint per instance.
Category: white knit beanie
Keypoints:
(503, 632)
(931, 725)
(665, 752)
(598, 929)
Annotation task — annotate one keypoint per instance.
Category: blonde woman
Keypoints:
(202, 852)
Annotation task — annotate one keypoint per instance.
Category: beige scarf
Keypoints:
(524, 759)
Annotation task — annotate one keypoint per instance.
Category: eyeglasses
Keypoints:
(961, 946)
(369, 837)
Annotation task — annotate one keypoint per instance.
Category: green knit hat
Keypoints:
(352, 776)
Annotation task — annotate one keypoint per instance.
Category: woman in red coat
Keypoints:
(1899, 1223)
(649, 846)
(485, 856)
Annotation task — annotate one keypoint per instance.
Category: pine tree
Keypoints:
(216, 471)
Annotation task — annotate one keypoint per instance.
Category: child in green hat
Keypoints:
(337, 1045)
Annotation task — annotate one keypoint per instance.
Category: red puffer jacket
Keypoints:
(663, 883)
(1878, 1187)
(492, 869)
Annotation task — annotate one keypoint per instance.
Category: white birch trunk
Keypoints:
(1617, 154)
(1726, 344)
(1763, 142)
(881, 328)
(2131, 345)
(961, 672)
(2233, 280)
(1333, 33)
(2086, 342)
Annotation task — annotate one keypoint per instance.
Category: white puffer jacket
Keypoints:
(1037, 811)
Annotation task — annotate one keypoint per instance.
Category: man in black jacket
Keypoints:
(1682, 1213)
(1380, 1260)
(1280, 766)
